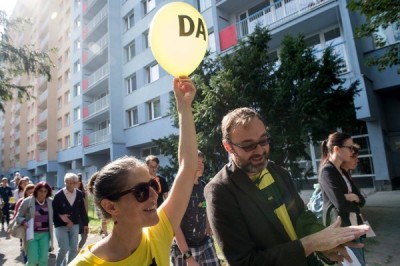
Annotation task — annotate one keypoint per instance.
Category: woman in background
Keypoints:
(82, 233)
(340, 195)
(39, 208)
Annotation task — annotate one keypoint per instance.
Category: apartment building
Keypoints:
(112, 98)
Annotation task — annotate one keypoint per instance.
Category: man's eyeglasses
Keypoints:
(353, 148)
(253, 146)
(141, 191)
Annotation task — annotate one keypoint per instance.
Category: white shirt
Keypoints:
(70, 196)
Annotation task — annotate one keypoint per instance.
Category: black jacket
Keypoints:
(76, 211)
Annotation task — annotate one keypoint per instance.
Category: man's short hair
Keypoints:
(239, 116)
(152, 158)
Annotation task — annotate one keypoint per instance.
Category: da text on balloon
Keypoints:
(183, 31)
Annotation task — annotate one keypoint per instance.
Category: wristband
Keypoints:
(187, 254)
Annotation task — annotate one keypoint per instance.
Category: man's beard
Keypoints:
(248, 167)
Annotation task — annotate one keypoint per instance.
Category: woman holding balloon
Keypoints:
(125, 193)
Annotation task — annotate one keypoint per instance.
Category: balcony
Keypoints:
(96, 137)
(43, 97)
(96, 53)
(272, 16)
(42, 117)
(42, 136)
(97, 25)
(96, 107)
(96, 78)
(42, 156)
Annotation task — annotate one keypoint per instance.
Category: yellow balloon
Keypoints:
(178, 38)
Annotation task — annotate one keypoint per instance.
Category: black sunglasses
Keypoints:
(353, 148)
(253, 146)
(141, 191)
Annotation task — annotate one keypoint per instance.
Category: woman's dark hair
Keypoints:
(40, 185)
(111, 180)
(28, 187)
(334, 139)
(81, 186)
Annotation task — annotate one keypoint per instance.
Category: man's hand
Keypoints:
(332, 237)
(86, 229)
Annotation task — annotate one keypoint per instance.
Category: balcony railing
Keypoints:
(42, 135)
(96, 48)
(42, 116)
(43, 96)
(42, 156)
(98, 105)
(97, 20)
(98, 75)
(99, 136)
(275, 13)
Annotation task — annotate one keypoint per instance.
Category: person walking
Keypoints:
(5, 194)
(255, 211)
(82, 233)
(341, 196)
(69, 207)
(36, 214)
(127, 195)
(193, 244)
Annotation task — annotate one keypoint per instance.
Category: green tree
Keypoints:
(18, 61)
(303, 98)
(380, 14)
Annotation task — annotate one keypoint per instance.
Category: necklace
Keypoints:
(41, 204)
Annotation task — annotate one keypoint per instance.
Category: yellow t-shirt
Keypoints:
(153, 249)
(266, 183)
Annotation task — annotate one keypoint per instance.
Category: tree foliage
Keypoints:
(18, 61)
(380, 14)
(301, 99)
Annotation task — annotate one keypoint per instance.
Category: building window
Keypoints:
(152, 73)
(67, 97)
(211, 42)
(67, 75)
(59, 83)
(150, 151)
(154, 109)
(77, 113)
(67, 142)
(130, 83)
(146, 39)
(77, 44)
(77, 66)
(132, 117)
(77, 22)
(59, 123)
(129, 51)
(129, 21)
(149, 5)
(77, 138)
(59, 144)
(77, 89)
(59, 102)
(67, 119)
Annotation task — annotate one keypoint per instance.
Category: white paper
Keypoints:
(353, 257)
(29, 230)
(370, 232)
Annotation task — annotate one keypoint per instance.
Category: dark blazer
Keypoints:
(245, 225)
(76, 211)
(333, 189)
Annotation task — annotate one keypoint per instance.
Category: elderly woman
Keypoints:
(126, 194)
(37, 211)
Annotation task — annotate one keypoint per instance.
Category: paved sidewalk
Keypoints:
(382, 211)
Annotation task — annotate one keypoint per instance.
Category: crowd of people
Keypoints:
(251, 208)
